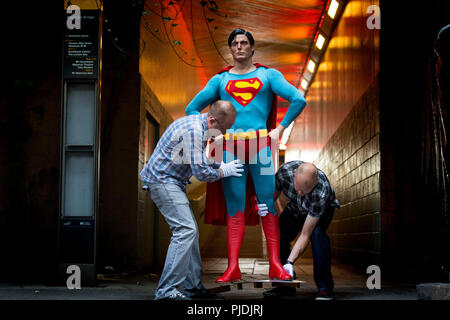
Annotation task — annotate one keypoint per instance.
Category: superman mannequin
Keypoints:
(251, 88)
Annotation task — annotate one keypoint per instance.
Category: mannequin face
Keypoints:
(241, 49)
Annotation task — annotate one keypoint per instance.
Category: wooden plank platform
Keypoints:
(255, 284)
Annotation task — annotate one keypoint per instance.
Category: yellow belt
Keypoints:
(246, 135)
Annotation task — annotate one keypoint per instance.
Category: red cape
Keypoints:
(216, 208)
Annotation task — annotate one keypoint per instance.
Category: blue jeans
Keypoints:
(291, 225)
(183, 262)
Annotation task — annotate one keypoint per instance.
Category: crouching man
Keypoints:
(309, 212)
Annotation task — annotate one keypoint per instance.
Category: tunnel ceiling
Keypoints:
(197, 33)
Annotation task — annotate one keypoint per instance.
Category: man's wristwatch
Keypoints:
(290, 262)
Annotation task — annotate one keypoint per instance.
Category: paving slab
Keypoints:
(350, 284)
(433, 291)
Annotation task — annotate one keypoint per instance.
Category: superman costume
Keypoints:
(254, 97)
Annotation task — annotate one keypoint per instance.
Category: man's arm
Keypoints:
(201, 170)
(206, 96)
(303, 241)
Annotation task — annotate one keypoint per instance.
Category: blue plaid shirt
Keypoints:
(180, 153)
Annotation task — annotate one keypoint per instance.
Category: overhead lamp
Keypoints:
(320, 41)
(333, 8)
(304, 84)
(311, 66)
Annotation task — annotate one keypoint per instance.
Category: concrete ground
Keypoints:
(350, 284)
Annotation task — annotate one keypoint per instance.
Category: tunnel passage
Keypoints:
(371, 123)
(339, 130)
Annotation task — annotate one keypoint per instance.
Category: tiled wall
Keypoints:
(349, 66)
(351, 160)
(339, 131)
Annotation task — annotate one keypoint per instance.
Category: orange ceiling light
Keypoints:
(334, 5)
(329, 18)
(311, 66)
(320, 41)
(304, 84)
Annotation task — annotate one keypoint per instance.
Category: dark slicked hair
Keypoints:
(235, 32)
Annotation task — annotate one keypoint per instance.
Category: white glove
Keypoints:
(262, 209)
(289, 269)
(232, 169)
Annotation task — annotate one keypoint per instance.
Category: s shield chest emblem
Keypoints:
(244, 91)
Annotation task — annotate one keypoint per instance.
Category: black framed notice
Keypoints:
(79, 143)
(81, 47)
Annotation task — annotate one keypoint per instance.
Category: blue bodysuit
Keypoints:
(252, 95)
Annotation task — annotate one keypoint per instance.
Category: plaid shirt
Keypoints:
(313, 203)
(180, 153)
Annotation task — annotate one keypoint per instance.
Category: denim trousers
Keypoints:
(183, 263)
(290, 226)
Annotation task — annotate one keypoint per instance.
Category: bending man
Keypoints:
(179, 154)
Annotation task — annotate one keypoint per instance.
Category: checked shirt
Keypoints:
(180, 153)
(314, 203)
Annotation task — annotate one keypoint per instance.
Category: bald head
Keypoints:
(222, 109)
(306, 178)
(221, 115)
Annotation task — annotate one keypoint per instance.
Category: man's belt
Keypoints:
(246, 135)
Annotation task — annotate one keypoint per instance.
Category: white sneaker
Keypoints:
(177, 296)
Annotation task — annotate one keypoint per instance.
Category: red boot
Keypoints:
(235, 234)
(271, 228)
